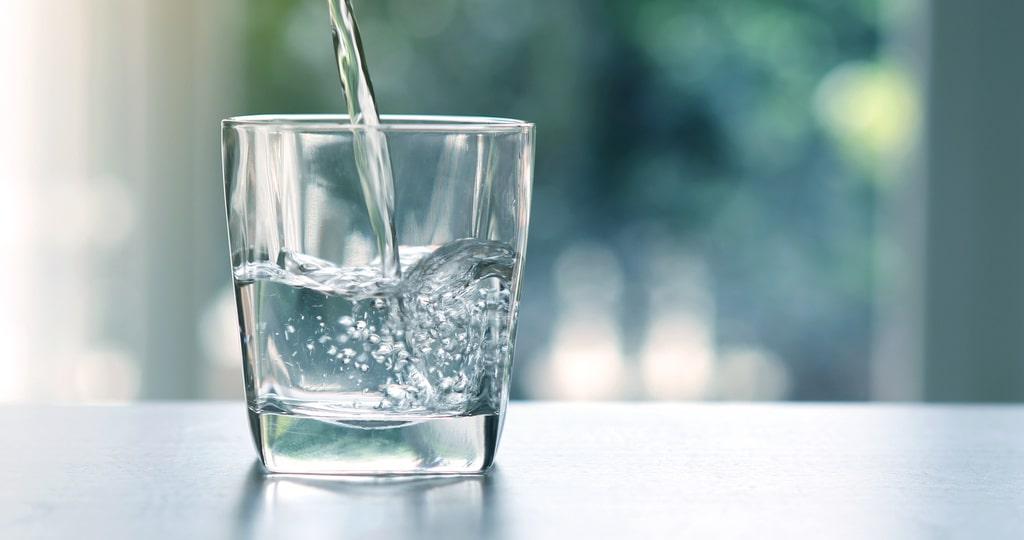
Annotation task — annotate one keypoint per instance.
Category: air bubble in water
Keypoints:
(460, 345)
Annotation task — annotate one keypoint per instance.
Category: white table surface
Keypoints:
(188, 470)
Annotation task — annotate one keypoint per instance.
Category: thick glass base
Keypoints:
(293, 444)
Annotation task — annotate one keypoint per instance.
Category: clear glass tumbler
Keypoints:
(377, 314)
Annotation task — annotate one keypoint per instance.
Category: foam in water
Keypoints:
(346, 342)
(352, 371)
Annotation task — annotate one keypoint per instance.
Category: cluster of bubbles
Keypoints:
(437, 341)
(462, 339)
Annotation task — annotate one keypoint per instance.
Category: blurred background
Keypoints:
(779, 200)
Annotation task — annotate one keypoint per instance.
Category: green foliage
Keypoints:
(691, 120)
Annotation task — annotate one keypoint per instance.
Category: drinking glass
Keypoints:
(377, 312)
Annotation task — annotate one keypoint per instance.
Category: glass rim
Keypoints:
(389, 122)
